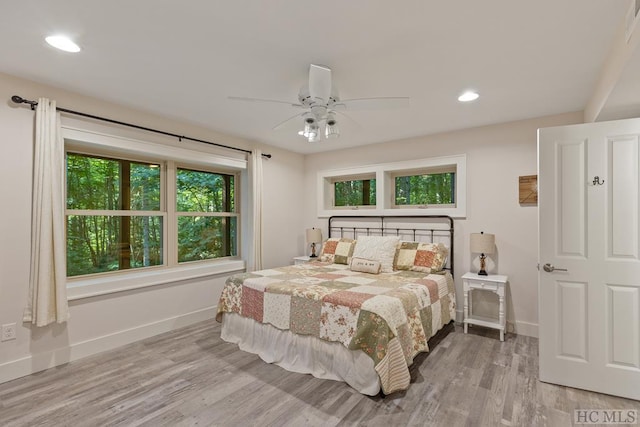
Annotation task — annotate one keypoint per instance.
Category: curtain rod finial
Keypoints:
(20, 100)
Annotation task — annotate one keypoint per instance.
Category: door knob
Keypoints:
(549, 268)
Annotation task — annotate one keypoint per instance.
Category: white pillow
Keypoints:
(365, 265)
(377, 248)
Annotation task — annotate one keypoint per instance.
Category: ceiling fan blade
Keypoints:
(372, 103)
(349, 120)
(286, 122)
(320, 82)
(241, 98)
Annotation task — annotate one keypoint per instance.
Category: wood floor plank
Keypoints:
(191, 377)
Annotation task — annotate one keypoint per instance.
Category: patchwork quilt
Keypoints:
(388, 316)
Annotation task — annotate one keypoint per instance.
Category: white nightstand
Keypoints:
(297, 260)
(494, 283)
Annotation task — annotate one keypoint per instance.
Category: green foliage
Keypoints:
(360, 192)
(100, 243)
(206, 237)
(94, 183)
(94, 243)
(204, 191)
(431, 189)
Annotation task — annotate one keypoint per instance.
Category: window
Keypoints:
(429, 188)
(432, 186)
(354, 192)
(114, 221)
(119, 214)
(207, 225)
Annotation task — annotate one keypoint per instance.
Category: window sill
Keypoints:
(92, 287)
(456, 212)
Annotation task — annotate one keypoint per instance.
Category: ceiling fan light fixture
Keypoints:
(306, 131)
(331, 129)
(311, 128)
(310, 131)
(320, 99)
(313, 135)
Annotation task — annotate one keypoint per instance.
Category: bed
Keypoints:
(360, 314)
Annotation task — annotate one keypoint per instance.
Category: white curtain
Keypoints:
(255, 176)
(47, 301)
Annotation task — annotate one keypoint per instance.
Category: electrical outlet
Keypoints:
(8, 332)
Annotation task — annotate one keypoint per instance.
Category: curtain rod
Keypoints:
(20, 100)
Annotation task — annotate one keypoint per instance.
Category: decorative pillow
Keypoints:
(419, 256)
(365, 265)
(337, 250)
(377, 248)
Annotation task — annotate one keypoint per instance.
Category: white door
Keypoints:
(589, 315)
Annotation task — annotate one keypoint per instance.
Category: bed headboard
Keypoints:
(418, 228)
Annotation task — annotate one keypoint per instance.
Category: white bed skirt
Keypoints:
(302, 353)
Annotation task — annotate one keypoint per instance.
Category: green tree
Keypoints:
(430, 189)
(361, 192)
(95, 243)
(98, 242)
(205, 237)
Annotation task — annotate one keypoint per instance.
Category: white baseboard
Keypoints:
(521, 328)
(527, 329)
(40, 361)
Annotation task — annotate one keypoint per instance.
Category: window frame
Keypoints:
(161, 212)
(98, 144)
(385, 174)
(365, 177)
(233, 213)
(436, 170)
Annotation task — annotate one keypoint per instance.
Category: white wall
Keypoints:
(104, 322)
(496, 156)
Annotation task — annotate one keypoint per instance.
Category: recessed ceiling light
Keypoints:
(63, 43)
(468, 96)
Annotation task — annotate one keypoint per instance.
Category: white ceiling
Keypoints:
(182, 59)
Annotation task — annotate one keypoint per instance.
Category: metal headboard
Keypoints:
(430, 228)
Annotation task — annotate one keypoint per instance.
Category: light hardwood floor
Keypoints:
(191, 377)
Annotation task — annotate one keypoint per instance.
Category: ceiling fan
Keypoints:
(322, 103)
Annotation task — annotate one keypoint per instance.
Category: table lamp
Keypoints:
(314, 235)
(482, 244)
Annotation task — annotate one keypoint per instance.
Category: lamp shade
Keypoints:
(314, 235)
(482, 243)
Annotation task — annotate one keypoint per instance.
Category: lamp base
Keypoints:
(313, 251)
(482, 271)
(313, 256)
